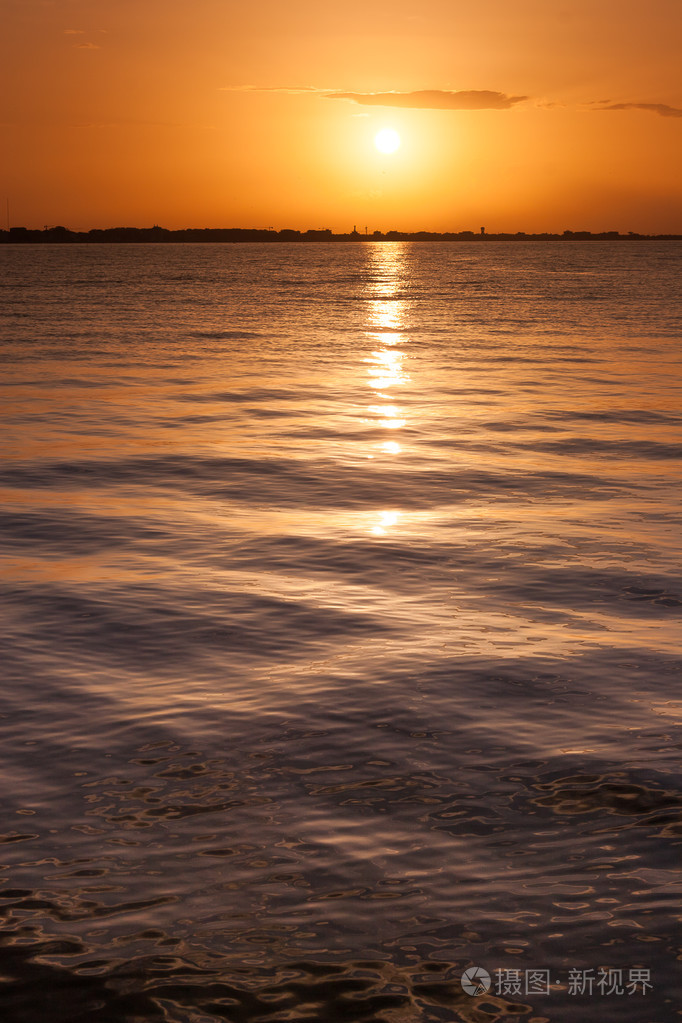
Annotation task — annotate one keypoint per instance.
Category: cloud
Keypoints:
(434, 99)
(443, 99)
(87, 46)
(426, 99)
(74, 32)
(655, 108)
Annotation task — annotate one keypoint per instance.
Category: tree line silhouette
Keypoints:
(240, 234)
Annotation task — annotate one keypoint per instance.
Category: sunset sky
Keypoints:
(533, 115)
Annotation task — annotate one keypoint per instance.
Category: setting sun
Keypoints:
(387, 140)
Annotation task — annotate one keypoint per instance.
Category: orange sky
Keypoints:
(192, 113)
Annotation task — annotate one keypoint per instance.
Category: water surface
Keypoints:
(341, 587)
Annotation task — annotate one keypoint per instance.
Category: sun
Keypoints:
(387, 140)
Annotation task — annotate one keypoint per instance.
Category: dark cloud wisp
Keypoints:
(653, 108)
(434, 99)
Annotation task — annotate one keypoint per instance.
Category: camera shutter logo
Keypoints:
(475, 981)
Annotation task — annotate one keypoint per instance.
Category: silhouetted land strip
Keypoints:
(239, 234)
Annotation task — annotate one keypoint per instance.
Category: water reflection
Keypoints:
(295, 735)
(386, 373)
(390, 414)
(387, 519)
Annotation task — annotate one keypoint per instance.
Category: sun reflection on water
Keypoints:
(390, 420)
(386, 361)
(386, 519)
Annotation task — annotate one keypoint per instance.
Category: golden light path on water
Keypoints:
(386, 372)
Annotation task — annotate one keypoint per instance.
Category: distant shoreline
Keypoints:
(117, 235)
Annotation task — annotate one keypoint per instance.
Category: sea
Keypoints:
(341, 604)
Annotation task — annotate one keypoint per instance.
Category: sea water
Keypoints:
(341, 599)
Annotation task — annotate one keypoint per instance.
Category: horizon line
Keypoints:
(158, 233)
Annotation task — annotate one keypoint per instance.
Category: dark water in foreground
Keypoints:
(342, 600)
